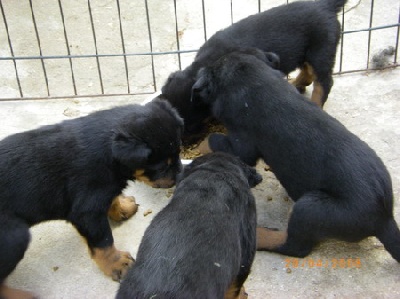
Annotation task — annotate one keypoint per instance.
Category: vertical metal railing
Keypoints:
(67, 47)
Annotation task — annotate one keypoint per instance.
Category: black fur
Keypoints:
(341, 187)
(204, 240)
(73, 170)
(300, 32)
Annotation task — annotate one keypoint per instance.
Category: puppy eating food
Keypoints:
(74, 171)
(341, 187)
(303, 34)
(202, 244)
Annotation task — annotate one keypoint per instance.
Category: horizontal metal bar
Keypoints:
(156, 53)
(372, 28)
(152, 92)
(97, 55)
(79, 96)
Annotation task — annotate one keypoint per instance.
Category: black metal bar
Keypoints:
(371, 15)
(204, 20)
(40, 48)
(98, 55)
(151, 44)
(372, 28)
(178, 46)
(341, 43)
(67, 46)
(231, 11)
(397, 39)
(77, 96)
(152, 92)
(123, 46)
(11, 50)
(157, 53)
(95, 46)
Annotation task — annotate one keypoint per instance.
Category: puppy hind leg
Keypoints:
(320, 91)
(315, 216)
(389, 234)
(304, 78)
(322, 76)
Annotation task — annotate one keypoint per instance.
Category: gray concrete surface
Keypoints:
(57, 264)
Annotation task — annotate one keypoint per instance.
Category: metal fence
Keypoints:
(86, 48)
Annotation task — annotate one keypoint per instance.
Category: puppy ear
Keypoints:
(201, 89)
(254, 178)
(272, 60)
(129, 151)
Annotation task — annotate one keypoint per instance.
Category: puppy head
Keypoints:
(223, 162)
(230, 72)
(149, 144)
(177, 91)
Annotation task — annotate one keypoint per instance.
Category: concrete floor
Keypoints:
(57, 264)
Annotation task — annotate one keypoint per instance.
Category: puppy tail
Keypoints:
(389, 235)
(334, 5)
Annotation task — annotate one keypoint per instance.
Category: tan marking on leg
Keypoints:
(122, 208)
(160, 183)
(204, 147)
(242, 294)
(304, 78)
(9, 293)
(317, 94)
(269, 239)
(112, 262)
(235, 292)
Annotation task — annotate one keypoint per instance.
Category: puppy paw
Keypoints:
(270, 239)
(113, 262)
(122, 208)
(9, 293)
(204, 147)
(235, 292)
(243, 294)
(301, 89)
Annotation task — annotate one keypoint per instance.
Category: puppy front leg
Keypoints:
(96, 229)
(220, 143)
(112, 262)
(236, 145)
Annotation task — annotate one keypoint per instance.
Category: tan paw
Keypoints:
(122, 208)
(204, 147)
(270, 239)
(113, 262)
(9, 293)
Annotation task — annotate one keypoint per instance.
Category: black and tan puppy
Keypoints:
(303, 34)
(202, 244)
(73, 170)
(341, 187)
